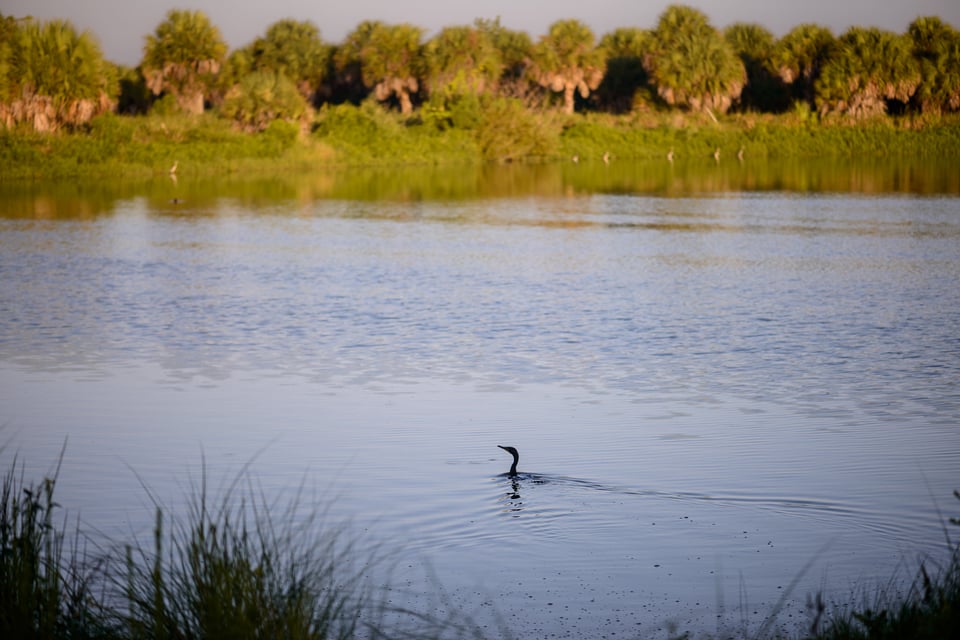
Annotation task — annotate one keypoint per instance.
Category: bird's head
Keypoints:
(511, 450)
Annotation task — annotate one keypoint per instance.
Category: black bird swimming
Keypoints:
(516, 458)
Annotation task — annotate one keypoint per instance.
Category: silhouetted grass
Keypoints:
(235, 565)
(236, 568)
(46, 577)
(929, 610)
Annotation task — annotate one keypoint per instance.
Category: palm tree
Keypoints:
(514, 48)
(347, 67)
(567, 61)
(134, 96)
(867, 68)
(937, 47)
(294, 49)
(238, 65)
(799, 56)
(8, 34)
(754, 44)
(183, 57)
(57, 76)
(692, 65)
(626, 49)
(391, 64)
(461, 60)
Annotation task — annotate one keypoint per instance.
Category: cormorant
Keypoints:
(516, 458)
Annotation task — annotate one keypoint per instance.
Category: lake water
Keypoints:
(723, 380)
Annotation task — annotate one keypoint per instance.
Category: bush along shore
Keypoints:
(500, 130)
(238, 567)
(470, 93)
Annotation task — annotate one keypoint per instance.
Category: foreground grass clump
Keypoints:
(929, 611)
(230, 571)
(240, 567)
(235, 567)
(46, 585)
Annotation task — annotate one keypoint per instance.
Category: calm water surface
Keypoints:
(714, 390)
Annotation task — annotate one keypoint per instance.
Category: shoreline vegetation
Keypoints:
(367, 136)
(236, 565)
(289, 101)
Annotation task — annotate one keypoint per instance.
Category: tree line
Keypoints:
(52, 76)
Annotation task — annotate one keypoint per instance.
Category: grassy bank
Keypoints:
(341, 136)
(239, 567)
(781, 137)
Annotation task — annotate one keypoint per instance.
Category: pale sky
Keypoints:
(121, 25)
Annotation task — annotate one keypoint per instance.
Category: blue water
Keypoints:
(716, 395)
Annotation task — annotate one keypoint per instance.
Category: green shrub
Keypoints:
(369, 134)
(359, 126)
(261, 98)
(453, 111)
(165, 105)
(508, 131)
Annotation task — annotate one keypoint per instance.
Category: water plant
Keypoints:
(930, 608)
(235, 564)
(239, 567)
(46, 581)
(232, 564)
